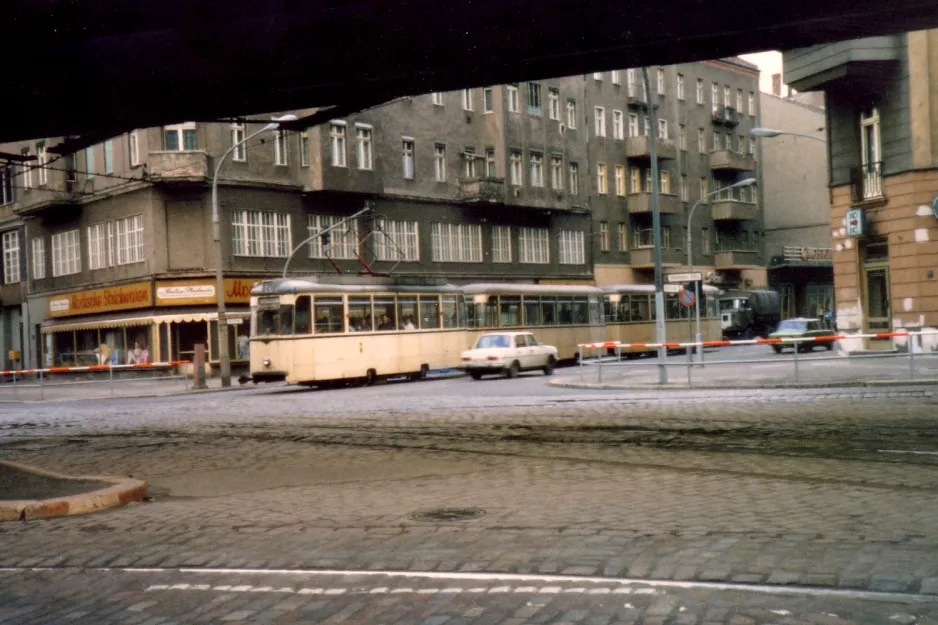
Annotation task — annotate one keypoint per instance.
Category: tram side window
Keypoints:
(610, 310)
(596, 317)
(286, 319)
(549, 311)
(624, 309)
(673, 308)
(712, 307)
(580, 308)
(532, 311)
(407, 311)
(429, 311)
(302, 321)
(639, 308)
(565, 311)
(510, 311)
(491, 312)
(329, 315)
(450, 312)
(385, 312)
(360, 317)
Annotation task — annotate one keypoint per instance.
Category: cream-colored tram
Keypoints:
(560, 315)
(307, 332)
(629, 312)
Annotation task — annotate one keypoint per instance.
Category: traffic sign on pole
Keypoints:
(687, 298)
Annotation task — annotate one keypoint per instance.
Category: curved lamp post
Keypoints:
(224, 359)
(748, 182)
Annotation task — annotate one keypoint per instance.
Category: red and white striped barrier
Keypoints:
(771, 341)
(86, 368)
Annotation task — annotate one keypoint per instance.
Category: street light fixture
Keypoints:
(224, 359)
(748, 182)
(769, 133)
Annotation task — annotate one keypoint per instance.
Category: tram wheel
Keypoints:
(476, 375)
(371, 377)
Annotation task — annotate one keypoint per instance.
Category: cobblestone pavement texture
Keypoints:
(822, 488)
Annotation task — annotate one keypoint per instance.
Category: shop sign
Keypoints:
(196, 292)
(123, 297)
(856, 222)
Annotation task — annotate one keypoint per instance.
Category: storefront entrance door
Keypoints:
(876, 297)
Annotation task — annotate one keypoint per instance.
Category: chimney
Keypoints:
(777, 85)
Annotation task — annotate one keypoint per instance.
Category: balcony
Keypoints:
(734, 252)
(636, 95)
(866, 60)
(178, 166)
(640, 203)
(727, 160)
(482, 190)
(639, 148)
(725, 116)
(866, 183)
(733, 210)
(644, 257)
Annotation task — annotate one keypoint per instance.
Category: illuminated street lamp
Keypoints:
(224, 360)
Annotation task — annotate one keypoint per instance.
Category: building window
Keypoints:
(488, 99)
(515, 168)
(752, 145)
(180, 137)
(633, 125)
(703, 190)
(715, 95)
(682, 137)
(437, 98)
(490, 168)
(739, 100)
(571, 114)
(616, 77)
(598, 76)
(71, 166)
(716, 140)
(130, 240)
(728, 142)
(680, 87)
(501, 244)
(439, 162)
(620, 180)
(109, 157)
(553, 97)
(25, 170)
(700, 91)
(11, 257)
(467, 99)
(66, 255)
(727, 96)
(469, 162)
(236, 134)
(534, 246)
(534, 98)
(260, 233)
(456, 243)
(664, 179)
(398, 240)
(741, 144)
(337, 137)
(363, 147)
(89, 162)
(601, 178)
(556, 173)
(647, 126)
(304, 149)
(280, 148)
(407, 154)
(513, 99)
(635, 179)
(537, 169)
(340, 243)
(600, 119)
(574, 179)
(870, 154)
(133, 141)
(618, 129)
(623, 232)
(97, 246)
(685, 191)
(6, 185)
(705, 240)
(660, 81)
(572, 247)
(604, 236)
(42, 161)
(752, 103)
(662, 129)
(39, 258)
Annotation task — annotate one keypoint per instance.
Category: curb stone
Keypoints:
(608, 386)
(121, 492)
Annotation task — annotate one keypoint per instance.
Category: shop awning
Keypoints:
(117, 321)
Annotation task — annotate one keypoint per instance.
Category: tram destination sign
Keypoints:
(693, 276)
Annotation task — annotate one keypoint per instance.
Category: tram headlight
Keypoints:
(266, 361)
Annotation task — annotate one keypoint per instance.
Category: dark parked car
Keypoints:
(801, 328)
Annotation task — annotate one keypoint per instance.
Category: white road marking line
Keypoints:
(908, 451)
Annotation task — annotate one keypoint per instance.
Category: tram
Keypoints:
(305, 332)
(629, 313)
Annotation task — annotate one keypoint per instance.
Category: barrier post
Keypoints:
(599, 359)
(185, 379)
(110, 375)
(15, 396)
(198, 367)
(911, 345)
(690, 363)
(797, 347)
(41, 389)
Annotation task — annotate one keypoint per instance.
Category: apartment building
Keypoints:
(544, 181)
(881, 96)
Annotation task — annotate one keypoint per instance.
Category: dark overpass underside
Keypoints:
(103, 67)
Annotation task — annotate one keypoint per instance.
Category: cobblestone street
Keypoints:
(831, 489)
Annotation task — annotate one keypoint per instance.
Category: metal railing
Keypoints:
(44, 379)
(867, 181)
(601, 358)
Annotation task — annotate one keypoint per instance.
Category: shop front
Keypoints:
(804, 280)
(144, 322)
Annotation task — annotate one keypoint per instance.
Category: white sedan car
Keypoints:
(508, 353)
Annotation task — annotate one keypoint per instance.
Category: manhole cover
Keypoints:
(446, 515)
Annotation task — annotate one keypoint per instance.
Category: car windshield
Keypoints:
(793, 324)
(493, 340)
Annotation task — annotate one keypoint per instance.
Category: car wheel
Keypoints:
(776, 349)
(513, 370)
(829, 346)
(476, 375)
(549, 367)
